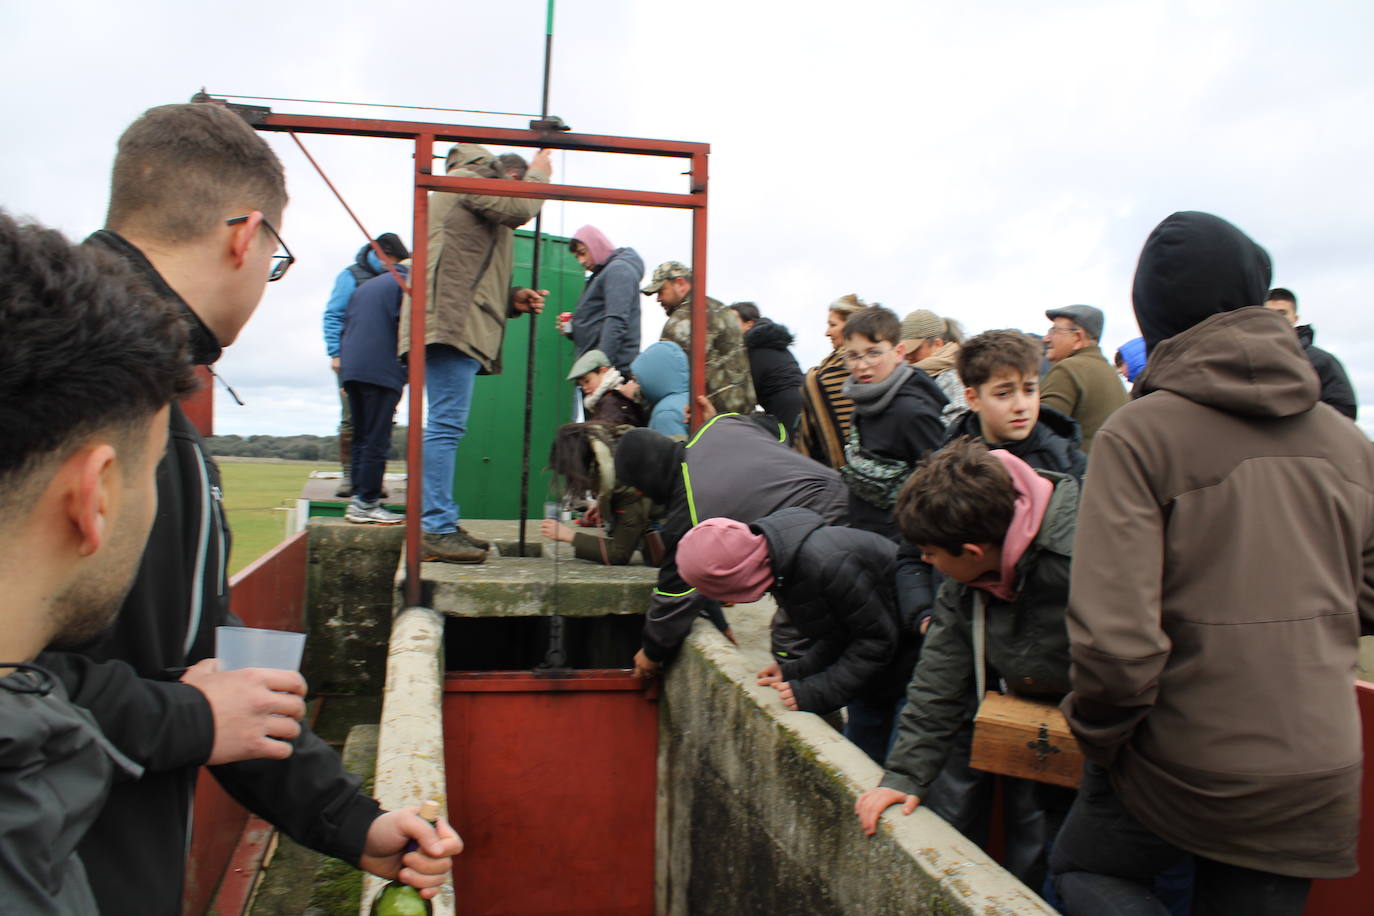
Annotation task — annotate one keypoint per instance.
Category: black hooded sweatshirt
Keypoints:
(777, 377)
(1336, 389)
(1055, 442)
(135, 853)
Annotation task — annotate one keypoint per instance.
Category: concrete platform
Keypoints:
(554, 583)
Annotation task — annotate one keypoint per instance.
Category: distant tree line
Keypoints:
(297, 448)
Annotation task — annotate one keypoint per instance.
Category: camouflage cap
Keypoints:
(666, 271)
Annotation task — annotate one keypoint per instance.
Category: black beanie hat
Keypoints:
(1195, 265)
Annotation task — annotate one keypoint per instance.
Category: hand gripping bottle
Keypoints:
(398, 898)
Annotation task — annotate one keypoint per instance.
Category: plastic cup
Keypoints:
(551, 510)
(248, 647)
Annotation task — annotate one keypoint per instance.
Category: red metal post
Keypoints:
(697, 358)
(419, 297)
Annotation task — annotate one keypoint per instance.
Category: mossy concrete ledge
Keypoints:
(410, 742)
(535, 587)
(756, 812)
(349, 580)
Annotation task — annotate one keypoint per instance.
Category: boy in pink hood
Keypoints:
(1001, 532)
(607, 314)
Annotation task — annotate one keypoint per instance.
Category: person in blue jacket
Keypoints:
(365, 266)
(373, 378)
(661, 371)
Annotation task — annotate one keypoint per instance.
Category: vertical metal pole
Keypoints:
(419, 295)
(699, 276)
(534, 325)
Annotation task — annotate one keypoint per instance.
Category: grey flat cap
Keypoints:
(1085, 316)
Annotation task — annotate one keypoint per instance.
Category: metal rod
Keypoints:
(697, 357)
(377, 249)
(534, 325)
(274, 98)
(415, 461)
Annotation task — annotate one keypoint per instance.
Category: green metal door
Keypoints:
(486, 477)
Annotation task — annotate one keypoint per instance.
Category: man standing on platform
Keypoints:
(469, 300)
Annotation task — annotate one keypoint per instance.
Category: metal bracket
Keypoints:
(1042, 746)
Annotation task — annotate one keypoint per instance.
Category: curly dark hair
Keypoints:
(959, 495)
(85, 348)
(991, 352)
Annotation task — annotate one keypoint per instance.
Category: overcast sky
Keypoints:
(985, 160)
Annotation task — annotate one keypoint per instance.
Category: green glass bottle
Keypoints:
(398, 898)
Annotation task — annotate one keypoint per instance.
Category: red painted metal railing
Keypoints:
(271, 594)
(1355, 894)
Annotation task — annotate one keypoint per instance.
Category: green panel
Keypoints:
(486, 477)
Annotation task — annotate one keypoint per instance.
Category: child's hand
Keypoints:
(784, 690)
(874, 802)
(770, 675)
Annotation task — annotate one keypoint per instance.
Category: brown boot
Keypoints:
(474, 541)
(449, 548)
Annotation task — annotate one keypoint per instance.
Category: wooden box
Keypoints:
(1029, 739)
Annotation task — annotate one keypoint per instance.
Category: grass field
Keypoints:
(254, 494)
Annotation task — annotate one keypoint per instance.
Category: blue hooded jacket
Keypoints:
(661, 371)
(607, 315)
(344, 285)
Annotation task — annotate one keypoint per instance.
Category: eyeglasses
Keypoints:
(866, 359)
(281, 263)
(1058, 330)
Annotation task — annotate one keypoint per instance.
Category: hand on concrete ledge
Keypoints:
(645, 666)
(785, 694)
(427, 866)
(874, 802)
(770, 675)
(257, 711)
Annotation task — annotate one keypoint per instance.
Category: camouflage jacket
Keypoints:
(729, 383)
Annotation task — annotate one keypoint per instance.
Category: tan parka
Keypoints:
(471, 243)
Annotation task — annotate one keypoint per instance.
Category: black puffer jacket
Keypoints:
(838, 585)
(1336, 389)
(1027, 647)
(777, 377)
(1055, 442)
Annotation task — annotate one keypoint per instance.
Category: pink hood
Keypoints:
(1032, 499)
(597, 244)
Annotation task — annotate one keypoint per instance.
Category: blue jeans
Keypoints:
(449, 377)
(869, 725)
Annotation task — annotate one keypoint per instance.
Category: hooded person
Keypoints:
(1228, 515)
(470, 299)
(607, 315)
(839, 587)
(732, 468)
(777, 377)
(661, 371)
(1130, 359)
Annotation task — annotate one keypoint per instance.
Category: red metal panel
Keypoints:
(551, 783)
(1355, 894)
(419, 298)
(199, 406)
(269, 593)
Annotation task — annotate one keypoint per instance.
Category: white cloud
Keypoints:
(985, 160)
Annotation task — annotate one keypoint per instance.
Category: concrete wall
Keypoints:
(410, 743)
(756, 812)
(349, 581)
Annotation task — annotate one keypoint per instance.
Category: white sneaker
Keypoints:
(375, 515)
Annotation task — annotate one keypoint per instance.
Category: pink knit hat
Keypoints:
(724, 560)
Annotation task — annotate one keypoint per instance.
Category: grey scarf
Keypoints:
(873, 398)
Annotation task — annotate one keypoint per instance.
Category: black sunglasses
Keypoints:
(281, 263)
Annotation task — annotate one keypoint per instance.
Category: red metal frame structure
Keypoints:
(425, 135)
